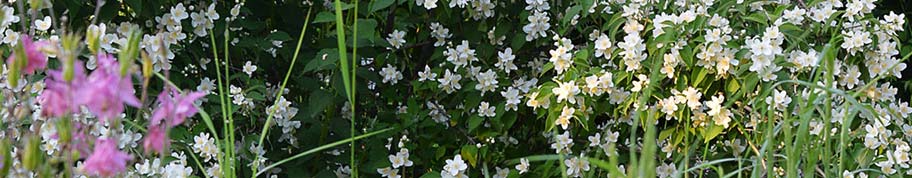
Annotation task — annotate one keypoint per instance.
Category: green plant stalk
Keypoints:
(294, 59)
(354, 73)
(346, 77)
(222, 103)
(231, 154)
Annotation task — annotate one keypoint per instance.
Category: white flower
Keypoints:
(668, 106)
(780, 100)
(450, 81)
(455, 166)
(389, 172)
(666, 170)
(595, 140)
(538, 25)
(426, 74)
(692, 97)
(576, 166)
(512, 96)
(249, 68)
(461, 55)
(460, 3)
(538, 5)
(177, 170)
(211, 13)
(400, 159)
(855, 40)
(501, 172)
(523, 165)
(566, 91)
(642, 81)
(487, 81)
(206, 85)
(396, 39)
(11, 37)
(428, 4)
(561, 57)
(486, 110)
(850, 77)
(602, 44)
(179, 12)
(632, 51)
(390, 74)
(439, 32)
(505, 60)
(564, 119)
(721, 116)
(562, 143)
(43, 25)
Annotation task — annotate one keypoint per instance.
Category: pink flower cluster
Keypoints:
(104, 92)
(173, 109)
(35, 58)
(106, 160)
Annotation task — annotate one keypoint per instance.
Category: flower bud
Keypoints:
(33, 155)
(93, 34)
(6, 160)
(70, 44)
(17, 64)
(146, 65)
(64, 130)
(128, 52)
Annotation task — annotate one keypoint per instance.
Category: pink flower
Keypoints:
(36, 58)
(155, 140)
(106, 91)
(106, 160)
(57, 97)
(174, 107)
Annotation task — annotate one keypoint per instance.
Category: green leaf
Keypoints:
(324, 16)
(469, 153)
(474, 122)
(325, 59)
(380, 4)
(711, 131)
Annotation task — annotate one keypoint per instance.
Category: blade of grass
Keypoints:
(294, 59)
(320, 148)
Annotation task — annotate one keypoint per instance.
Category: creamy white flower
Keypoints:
(505, 60)
(538, 25)
(249, 68)
(390, 74)
(511, 95)
(562, 143)
(427, 4)
(427, 74)
(855, 40)
(401, 159)
(486, 110)
(487, 82)
(780, 100)
(179, 12)
(564, 119)
(43, 24)
(602, 44)
(389, 172)
(502, 172)
(523, 165)
(566, 91)
(450, 81)
(576, 166)
(396, 39)
(455, 165)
